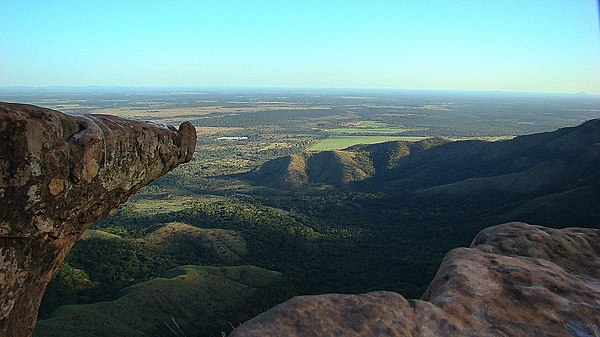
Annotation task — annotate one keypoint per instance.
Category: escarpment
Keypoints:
(59, 174)
(515, 280)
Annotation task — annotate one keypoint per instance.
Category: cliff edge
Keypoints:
(515, 280)
(59, 174)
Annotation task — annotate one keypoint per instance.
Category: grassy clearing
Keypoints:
(342, 142)
(158, 206)
(207, 131)
(372, 124)
(362, 130)
(367, 128)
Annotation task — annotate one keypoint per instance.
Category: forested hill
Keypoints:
(553, 162)
(339, 167)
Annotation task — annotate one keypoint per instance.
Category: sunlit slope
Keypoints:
(386, 155)
(180, 239)
(200, 299)
(338, 167)
(328, 167)
(168, 243)
(108, 262)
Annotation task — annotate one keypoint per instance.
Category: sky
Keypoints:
(510, 45)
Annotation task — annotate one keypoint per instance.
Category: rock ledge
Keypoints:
(59, 174)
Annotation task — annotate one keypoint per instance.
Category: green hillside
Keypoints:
(337, 167)
(386, 155)
(127, 260)
(195, 300)
(536, 164)
(539, 163)
(339, 142)
(180, 240)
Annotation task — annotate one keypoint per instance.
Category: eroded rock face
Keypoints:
(515, 280)
(58, 174)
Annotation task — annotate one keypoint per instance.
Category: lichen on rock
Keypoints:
(58, 174)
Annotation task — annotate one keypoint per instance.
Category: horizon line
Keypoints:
(190, 87)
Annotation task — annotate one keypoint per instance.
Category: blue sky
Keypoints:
(526, 45)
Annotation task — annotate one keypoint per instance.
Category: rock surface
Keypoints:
(515, 280)
(59, 174)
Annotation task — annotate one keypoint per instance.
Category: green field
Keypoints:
(372, 124)
(368, 128)
(342, 142)
(360, 130)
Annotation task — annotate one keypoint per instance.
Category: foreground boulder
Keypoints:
(59, 174)
(515, 280)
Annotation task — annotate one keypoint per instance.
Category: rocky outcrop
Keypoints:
(515, 280)
(58, 174)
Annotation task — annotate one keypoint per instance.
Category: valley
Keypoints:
(301, 207)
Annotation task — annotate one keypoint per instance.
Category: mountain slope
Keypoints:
(386, 155)
(546, 162)
(338, 167)
(190, 295)
(552, 161)
(216, 245)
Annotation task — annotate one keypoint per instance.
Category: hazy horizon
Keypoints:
(74, 89)
(466, 45)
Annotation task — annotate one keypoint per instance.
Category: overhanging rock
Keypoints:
(58, 174)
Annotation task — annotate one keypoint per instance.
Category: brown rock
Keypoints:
(515, 280)
(58, 174)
